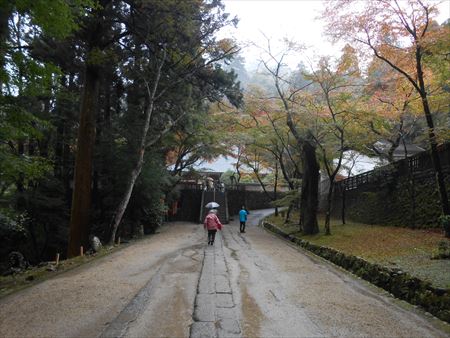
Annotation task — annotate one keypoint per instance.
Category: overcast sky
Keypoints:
(278, 19)
(294, 19)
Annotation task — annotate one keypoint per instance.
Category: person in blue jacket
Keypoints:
(243, 218)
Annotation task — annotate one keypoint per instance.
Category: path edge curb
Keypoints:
(400, 284)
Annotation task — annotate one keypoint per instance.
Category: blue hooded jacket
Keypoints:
(243, 215)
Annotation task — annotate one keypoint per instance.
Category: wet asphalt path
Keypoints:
(147, 289)
(282, 291)
(174, 285)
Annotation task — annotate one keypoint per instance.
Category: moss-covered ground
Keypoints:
(406, 249)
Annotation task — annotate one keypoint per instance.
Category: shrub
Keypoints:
(12, 232)
(443, 250)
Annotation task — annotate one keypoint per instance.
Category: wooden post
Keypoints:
(81, 251)
(57, 259)
(118, 240)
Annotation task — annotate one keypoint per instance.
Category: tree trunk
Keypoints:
(309, 199)
(80, 211)
(126, 197)
(344, 186)
(288, 213)
(137, 169)
(309, 193)
(275, 188)
(263, 186)
(431, 135)
(435, 156)
(329, 206)
(81, 198)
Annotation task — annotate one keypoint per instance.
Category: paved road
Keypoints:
(173, 285)
(146, 289)
(280, 290)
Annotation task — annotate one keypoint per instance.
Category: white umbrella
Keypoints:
(212, 205)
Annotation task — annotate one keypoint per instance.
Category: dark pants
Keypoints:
(211, 236)
(242, 227)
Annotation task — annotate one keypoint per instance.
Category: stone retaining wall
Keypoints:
(402, 285)
(403, 193)
(413, 201)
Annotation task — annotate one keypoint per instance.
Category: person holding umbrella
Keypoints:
(212, 222)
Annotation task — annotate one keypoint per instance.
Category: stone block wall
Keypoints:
(402, 201)
(397, 195)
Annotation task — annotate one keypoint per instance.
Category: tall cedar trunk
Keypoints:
(310, 193)
(96, 29)
(81, 198)
(67, 157)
